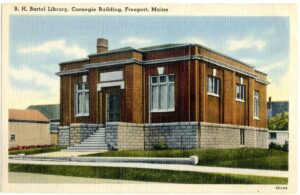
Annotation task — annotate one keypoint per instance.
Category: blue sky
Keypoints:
(39, 43)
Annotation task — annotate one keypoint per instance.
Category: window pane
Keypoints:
(154, 98)
(171, 78)
(86, 86)
(210, 85)
(237, 91)
(171, 97)
(242, 92)
(216, 85)
(79, 86)
(86, 103)
(163, 99)
(79, 108)
(162, 79)
(153, 80)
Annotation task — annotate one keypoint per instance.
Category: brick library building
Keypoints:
(178, 95)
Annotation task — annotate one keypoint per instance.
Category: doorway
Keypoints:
(113, 107)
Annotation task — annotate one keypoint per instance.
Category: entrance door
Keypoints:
(113, 107)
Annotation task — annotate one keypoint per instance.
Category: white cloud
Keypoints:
(273, 66)
(196, 40)
(250, 61)
(55, 45)
(23, 97)
(245, 43)
(136, 41)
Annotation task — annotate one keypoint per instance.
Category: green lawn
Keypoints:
(36, 150)
(146, 174)
(254, 158)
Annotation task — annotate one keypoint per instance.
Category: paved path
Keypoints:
(65, 153)
(23, 178)
(177, 167)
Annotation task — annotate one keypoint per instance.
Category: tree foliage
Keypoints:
(279, 122)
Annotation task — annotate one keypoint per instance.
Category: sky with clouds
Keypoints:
(39, 43)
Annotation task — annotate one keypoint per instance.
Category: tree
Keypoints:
(279, 122)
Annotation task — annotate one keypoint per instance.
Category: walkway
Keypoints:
(23, 178)
(176, 167)
(66, 153)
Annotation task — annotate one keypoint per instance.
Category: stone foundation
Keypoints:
(63, 136)
(124, 136)
(174, 135)
(132, 136)
(212, 135)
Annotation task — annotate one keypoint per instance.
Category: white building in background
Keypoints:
(278, 137)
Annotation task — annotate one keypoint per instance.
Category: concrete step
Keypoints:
(94, 142)
(98, 134)
(90, 145)
(86, 148)
(96, 137)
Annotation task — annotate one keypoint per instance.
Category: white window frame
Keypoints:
(215, 81)
(168, 83)
(241, 87)
(256, 104)
(84, 92)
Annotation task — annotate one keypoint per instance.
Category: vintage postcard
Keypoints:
(149, 98)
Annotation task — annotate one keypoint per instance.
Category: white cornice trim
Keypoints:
(111, 84)
(74, 71)
(262, 81)
(164, 60)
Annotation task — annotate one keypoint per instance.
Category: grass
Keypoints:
(36, 150)
(253, 158)
(150, 175)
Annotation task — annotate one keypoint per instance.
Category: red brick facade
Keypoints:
(191, 64)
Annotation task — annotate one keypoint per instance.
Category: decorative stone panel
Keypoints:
(175, 135)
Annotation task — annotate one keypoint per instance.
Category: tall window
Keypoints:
(256, 104)
(213, 86)
(162, 93)
(82, 99)
(240, 92)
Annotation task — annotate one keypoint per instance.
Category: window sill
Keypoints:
(158, 111)
(80, 115)
(255, 118)
(213, 94)
(240, 100)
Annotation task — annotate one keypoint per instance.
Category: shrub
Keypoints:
(285, 147)
(160, 145)
(275, 146)
(30, 147)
